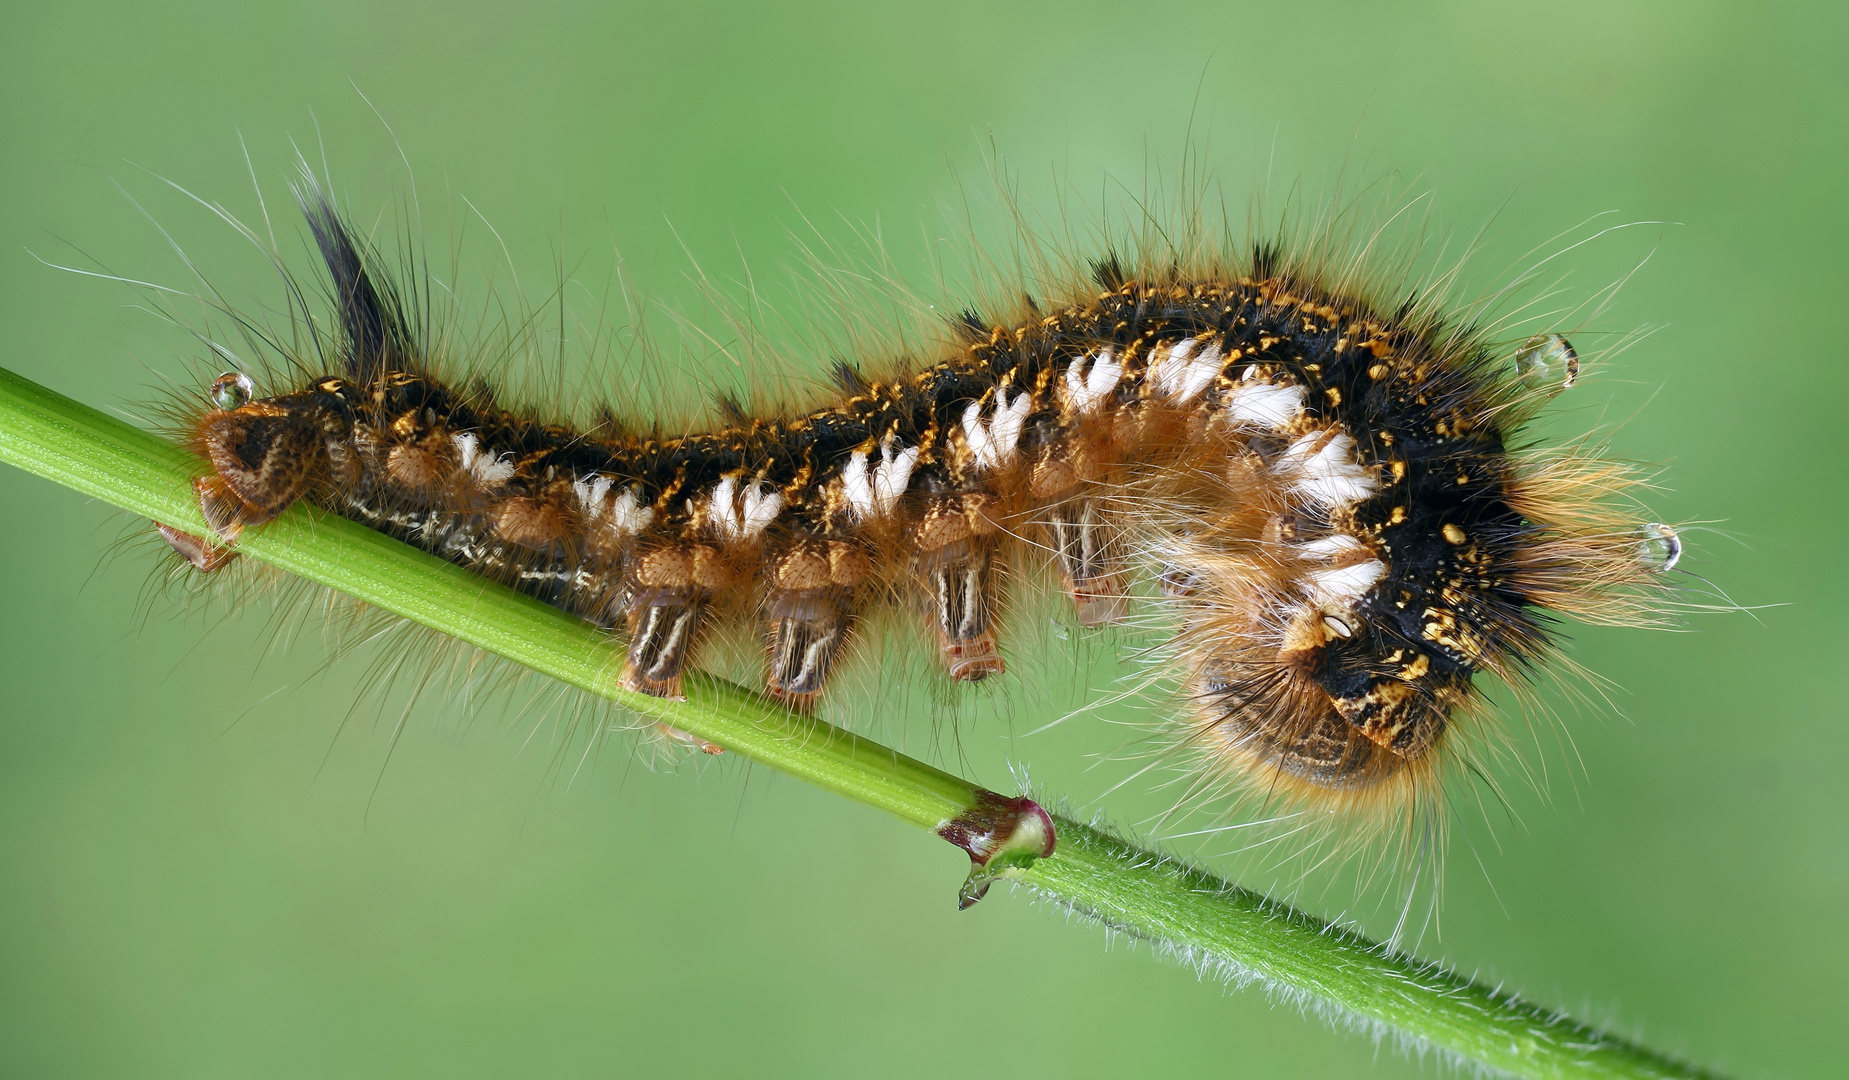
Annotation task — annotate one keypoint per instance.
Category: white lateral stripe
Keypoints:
(1327, 473)
(1086, 386)
(993, 444)
(1264, 404)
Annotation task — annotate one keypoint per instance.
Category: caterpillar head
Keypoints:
(265, 454)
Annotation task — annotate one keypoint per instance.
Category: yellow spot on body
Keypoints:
(1442, 628)
(1453, 534)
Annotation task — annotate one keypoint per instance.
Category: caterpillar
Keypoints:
(1325, 490)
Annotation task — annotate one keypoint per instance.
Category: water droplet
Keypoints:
(1659, 547)
(232, 390)
(1547, 363)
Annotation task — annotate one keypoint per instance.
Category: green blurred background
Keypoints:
(212, 870)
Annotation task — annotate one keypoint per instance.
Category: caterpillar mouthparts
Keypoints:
(1325, 491)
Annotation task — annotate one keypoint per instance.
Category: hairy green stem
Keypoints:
(1194, 916)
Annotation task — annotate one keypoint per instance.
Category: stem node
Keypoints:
(1003, 837)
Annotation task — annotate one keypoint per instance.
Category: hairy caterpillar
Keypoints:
(1323, 483)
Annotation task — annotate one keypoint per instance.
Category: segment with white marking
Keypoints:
(722, 505)
(1183, 376)
(1321, 467)
(591, 491)
(487, 468)
(873, 490)
(1330, 548)
(1092, 377)
(762, 504)
(1343, 585)
(740, 517)
(993, 443)
(628, 514)
(1264, 404)
(622, 513)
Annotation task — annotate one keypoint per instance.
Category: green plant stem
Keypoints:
(1192, 915)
